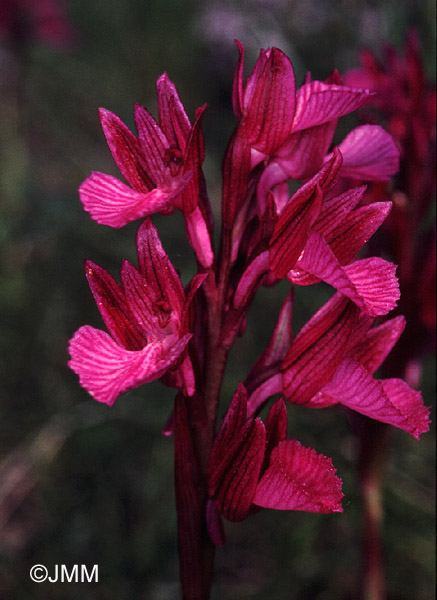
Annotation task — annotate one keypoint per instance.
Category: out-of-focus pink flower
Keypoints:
(147, 317)
(405, 102)
(44, 20)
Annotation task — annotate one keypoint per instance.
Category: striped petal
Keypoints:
(106, 370)
(369, 153)
(111, 202)
(391, 401)
(299, 479)
(370, 283)
(318, 103)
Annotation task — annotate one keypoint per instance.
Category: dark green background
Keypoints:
(82, 483)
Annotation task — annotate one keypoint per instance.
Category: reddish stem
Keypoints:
(374, 442)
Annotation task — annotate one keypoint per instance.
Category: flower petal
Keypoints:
(157, 268)
(319, 348)
(127, 152)
(114, 309)
(370, 283)
(236, 490)
(391, 401)
(173, 119)
(369, 153)
(111, 202)
(153, 143)
(292, 229)
(106, 370)
(299, 479)
(318, 102)
(269, 101)
(372, 350)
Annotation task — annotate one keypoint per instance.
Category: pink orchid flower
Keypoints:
(147, 319)
(253, 465)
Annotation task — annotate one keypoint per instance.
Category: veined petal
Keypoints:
(372, 350)
(369, 153)
(336, 209)
(299, 479)
(157, 268)
(269, 101)
(236, 490)
(111, 202)
(150, 315)
(375, 281)
(370, 283)
(318, 102)
(356, 229)
(345, 235)
(292, 229)
(127, 153)
(236, 170)
(153, 143)
(319, 348)
(302, 153)
(276, 429)
(230, 436)
(114, 309)
(106, 370)
(391, 401)
(251, 276)
(173, 119)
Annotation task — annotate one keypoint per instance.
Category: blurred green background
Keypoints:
(84, 484)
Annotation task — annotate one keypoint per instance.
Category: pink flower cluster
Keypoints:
(159, 330)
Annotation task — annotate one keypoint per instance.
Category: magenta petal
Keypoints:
(370, 283)
(153, 143)
(106, 370)
(250, 278)
(144, 303)
(292, 229)
(263, 391)
(127, 153)
(276, 429)
(318, 102)
(391, 401)
(231, 433)
(336, 209)
(236, 490)
(114, 308)
(356, 229)
(173, 119)
(299, 479)
(269, 101)
(409, 403)
(376, 283)
(111, 202)
(157, 268)
(370, 154)
(319, 348)
(302, 154)
(236, 170)
(199, 237)
(372, 350)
